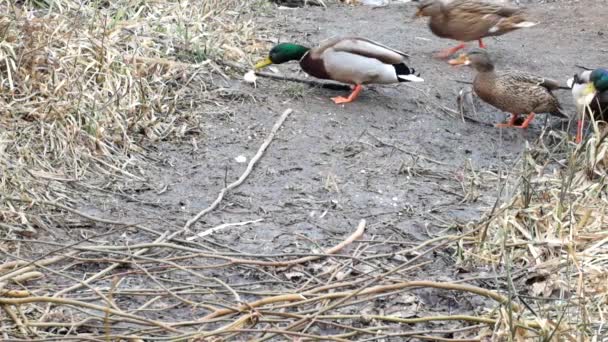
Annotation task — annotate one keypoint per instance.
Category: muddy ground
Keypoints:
(398, 157)
(353, 160)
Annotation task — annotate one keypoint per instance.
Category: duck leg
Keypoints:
(481, 44)
(526, 122)
(510, 123)
(579, 131)
(513, 120)
(352, 97)
(448, 52)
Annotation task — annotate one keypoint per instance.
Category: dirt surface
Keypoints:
(399, 157)
(393, 157)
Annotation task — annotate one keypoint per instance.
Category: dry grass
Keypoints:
(551, 239)
(84, 84)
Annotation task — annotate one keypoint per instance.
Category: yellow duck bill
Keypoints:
(587, 95)
(590, 89)
(263, 63)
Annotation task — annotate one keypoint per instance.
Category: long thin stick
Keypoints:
(357, 234)
(354, 236)
(220, 227)
(245, 174)
(237, 261)
(65, 301)
(312, 83)
(166, 237)
(31, 265)
(369, 291)
(15, 319)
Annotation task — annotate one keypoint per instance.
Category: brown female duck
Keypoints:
(469, 20)
(511, 91)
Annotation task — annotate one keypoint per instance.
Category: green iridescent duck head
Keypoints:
(283, 53)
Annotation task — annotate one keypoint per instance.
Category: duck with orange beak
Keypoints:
(511, 91)
(352, 60)
(469, 20)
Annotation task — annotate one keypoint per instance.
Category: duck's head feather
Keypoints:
(599, 77)
(429, 8)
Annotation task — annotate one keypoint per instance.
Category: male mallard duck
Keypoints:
(349, 60)
(469, 20)
(590, 92)
(511, 91)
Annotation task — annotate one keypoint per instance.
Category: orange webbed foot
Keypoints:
(526, 122)
(341, 99)
(352, 97)
(510, 123)
(513, 120)
(448, 52)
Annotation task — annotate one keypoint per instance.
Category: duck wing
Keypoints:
(534, 90)
(491, 19)
(523, 78)
(463, 7)
(368, 48)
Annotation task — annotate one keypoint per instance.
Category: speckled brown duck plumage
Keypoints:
(351, 60)
(512, 91)
(469, 20)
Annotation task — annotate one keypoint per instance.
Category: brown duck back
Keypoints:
(516, 93)
(467, 20)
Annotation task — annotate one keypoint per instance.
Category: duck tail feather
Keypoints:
(410, 78)
(525, 24)
(508, 25)
(405, 74)
(560, 113)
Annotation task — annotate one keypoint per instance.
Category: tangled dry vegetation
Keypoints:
(82, 84)
(550, 239)
(545, 246)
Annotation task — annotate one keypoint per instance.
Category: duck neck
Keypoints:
(484, 67)
(298, 51)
